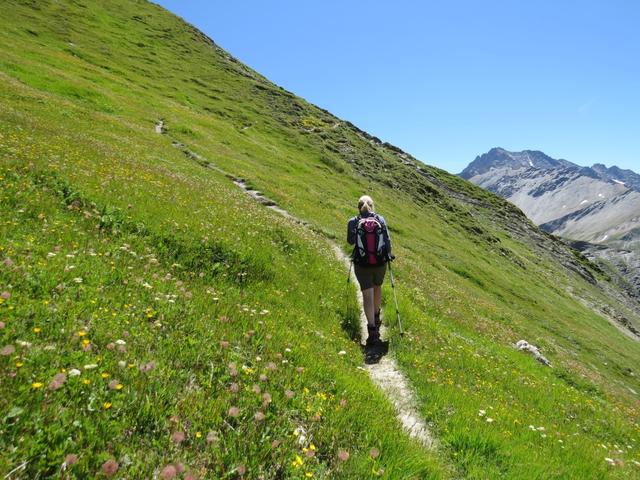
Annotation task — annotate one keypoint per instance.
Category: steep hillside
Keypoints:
(155, 316)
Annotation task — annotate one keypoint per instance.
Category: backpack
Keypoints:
(370, 247)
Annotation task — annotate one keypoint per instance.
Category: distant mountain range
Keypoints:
(597, 207)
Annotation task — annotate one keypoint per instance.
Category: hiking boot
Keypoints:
(374, 335)
(378, 319)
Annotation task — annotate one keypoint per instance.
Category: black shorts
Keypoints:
(370, 275)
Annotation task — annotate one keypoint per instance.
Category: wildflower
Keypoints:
(1, 325)
(78, 279)
(7, 350)
(374, 453)
(198, 434)
(130, 365)
(308, 474)
(263, 377)
(70, 460)
(256, 389)
(241, 469)
(342, 352)
(259, 416)
(19, 364)
(169, 472)
(82, 333)
(211, 437)
(91, 366)
(104, 375)
(37, 329)
(5, 295)
(297, 462)
(275, 444)
(343, 455)
(190, 476)
(489, 420)
(224, 344)
(271, 366)
(482, 413)
(58, 381)
(234, 412)
(106, 405)
(234, 388)
(37, 385)
(178, 437)
(147, 367)
(120, 342)
(122, 364)
(308, 452)
(343, 402)
(115, 385)
(110, 467)
(74, 372)
(266, 399)
(289, 394)
(86, 381)
(610, 461)
(111, 346)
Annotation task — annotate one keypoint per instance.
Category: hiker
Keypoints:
(372, 250)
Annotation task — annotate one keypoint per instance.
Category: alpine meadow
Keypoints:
(156, 321)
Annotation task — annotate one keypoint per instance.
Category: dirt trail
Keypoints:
(384, 373)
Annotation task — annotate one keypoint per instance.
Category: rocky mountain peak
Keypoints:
(500, 158)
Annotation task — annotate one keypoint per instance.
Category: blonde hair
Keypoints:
(365, 204)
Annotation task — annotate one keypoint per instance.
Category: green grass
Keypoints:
(180, 259)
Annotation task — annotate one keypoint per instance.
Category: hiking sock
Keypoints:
(378, 319)
(374, 334)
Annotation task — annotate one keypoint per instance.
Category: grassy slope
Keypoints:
(82, 88)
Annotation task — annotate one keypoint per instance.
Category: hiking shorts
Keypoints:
(370, 275)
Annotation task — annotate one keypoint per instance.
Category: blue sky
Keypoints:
(448, 80)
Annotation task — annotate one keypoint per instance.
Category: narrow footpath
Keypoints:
(384, 373)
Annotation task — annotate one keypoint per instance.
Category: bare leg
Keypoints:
(368, 305)
(377, 298)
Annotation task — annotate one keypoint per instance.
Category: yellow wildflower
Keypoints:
(37, 385)
(104, 375)
(86, 381)
(297, 463)
(82, 333)
(37, 329)
(198, 434)
(86, 341)
(19, 364)
(106, 405)
(308, 474)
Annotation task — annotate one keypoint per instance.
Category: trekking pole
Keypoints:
(350, 267)
(395, 298)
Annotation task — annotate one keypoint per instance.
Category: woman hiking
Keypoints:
(369, 235)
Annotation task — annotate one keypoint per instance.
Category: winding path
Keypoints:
(385, 373)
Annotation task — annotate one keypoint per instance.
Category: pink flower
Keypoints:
(110, 467)
(275, 444)
(266, 398)
(224, 344)
(343, 402)
(259, 416)
(180, 467)
(113, 384)
(343, 455)
(234, 412)
(241, 469)
(178, 437)
(374, 453)
(8, 262)
(168, 473)
(58, 381)
(299, 369)
(256, 389)
(1, 325)
(147, 367)
(5, 295)
(309, 453)
(263, 377)
(71, 459)
(271, 366)
(190, 476)
(7, 350)
(211, 437)
(111, 346)
(289, 394)
(234, 388)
